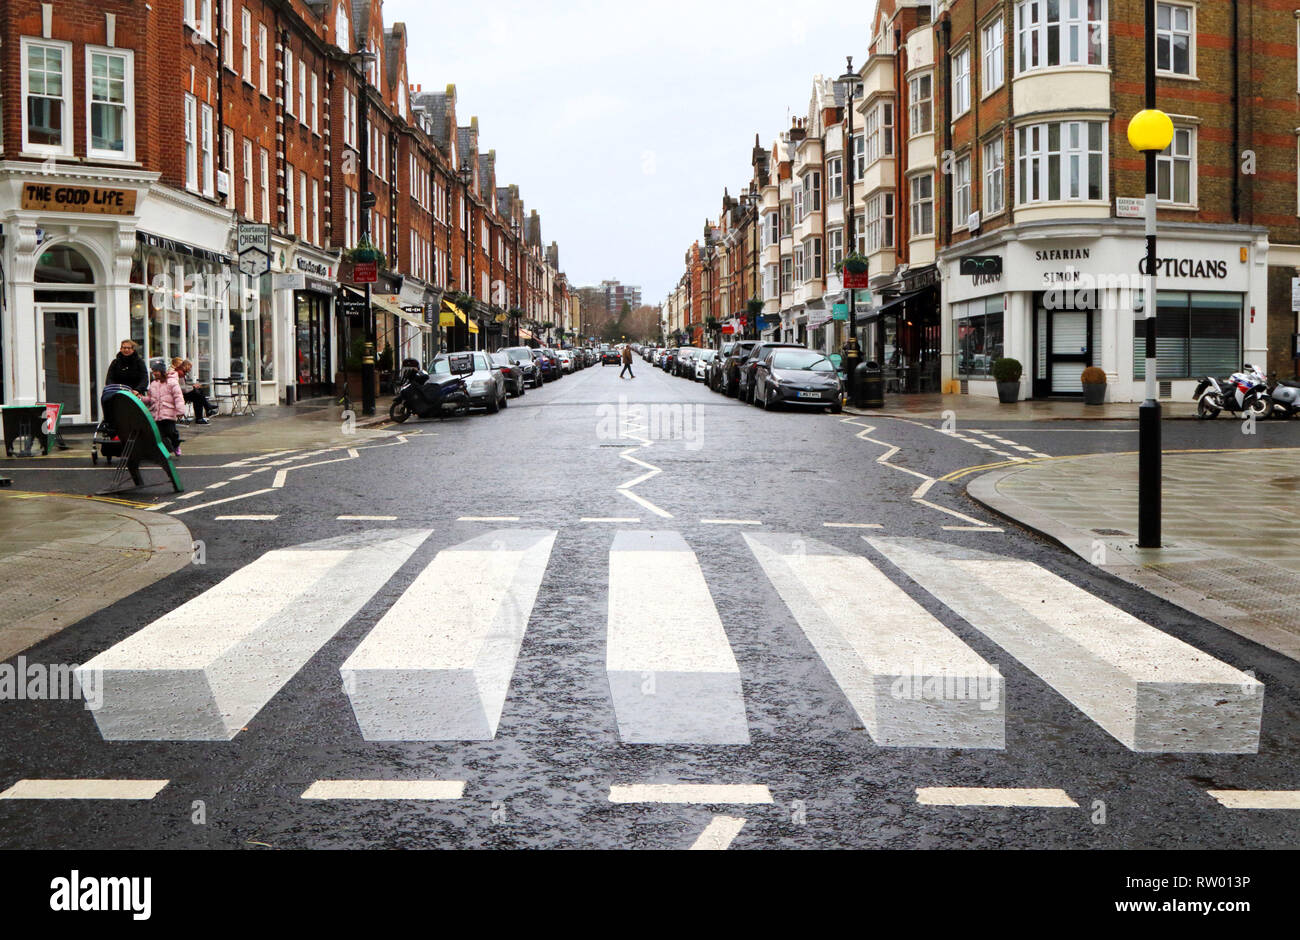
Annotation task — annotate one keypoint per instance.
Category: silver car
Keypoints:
(486, 384)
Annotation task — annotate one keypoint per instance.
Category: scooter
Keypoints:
(1286, 398)
(424, 396)
(1243, 392)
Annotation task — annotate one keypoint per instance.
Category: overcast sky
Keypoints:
(622, 122)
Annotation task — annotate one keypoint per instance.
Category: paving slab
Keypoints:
(975, 408)
(1229, 555)
(63, 558)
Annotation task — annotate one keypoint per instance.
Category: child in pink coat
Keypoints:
(167, 403)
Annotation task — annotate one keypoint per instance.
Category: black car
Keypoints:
(512, 371)
(531, 369)
(796, 376)
(684, 363)
(609, 356)
(745, 372)
(729, 369)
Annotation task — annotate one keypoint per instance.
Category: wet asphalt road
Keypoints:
(552, 459)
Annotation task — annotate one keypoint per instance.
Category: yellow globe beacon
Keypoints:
(1150, 130)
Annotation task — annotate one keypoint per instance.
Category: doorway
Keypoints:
(67, 365)
(1063, 349)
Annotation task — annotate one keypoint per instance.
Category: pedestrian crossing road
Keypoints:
(439, 663)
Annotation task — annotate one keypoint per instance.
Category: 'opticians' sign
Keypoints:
(44, 197)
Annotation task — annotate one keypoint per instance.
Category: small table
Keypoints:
(236, 393)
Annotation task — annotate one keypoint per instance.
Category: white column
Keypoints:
(22, 336)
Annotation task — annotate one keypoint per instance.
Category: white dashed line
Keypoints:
(609, 519)
(366, 518)
(84, 790)
(385, 790)
(708, 793)
(994, 796)
(246, 518)
(730, 522)
(1257, 799)
(971, 528)
(218, 502)
(853, 525)
(488, 519)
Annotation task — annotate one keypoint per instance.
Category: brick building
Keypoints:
(137, 137)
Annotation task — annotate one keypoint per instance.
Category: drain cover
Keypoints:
(1109, 532)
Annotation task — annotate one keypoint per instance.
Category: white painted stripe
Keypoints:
(994, 796)
(190, 495)
(1149, 690)
(671, 671)
(246, 518)
(971, 528)
(366, 518)
(84, 790)
(385, 790)
(1028, 450)
(853, 525)
(952, 512)
(609, 519)
(706, 793)
(280, 477)
(488, 519)
(242, 476)
(159, 507)
(217, 486)
(1037, 454)
(218, 502)
(910, 680)
(718, 834)
(427, 674)
(730, 522)
(1257, 799)
(646, 504)
(204, 670)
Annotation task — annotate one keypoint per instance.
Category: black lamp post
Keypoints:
(1149, 132)
(367, 204)
(514, 319)
(466, 173)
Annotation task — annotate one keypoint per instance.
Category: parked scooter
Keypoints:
(1286, 398)
(1243, 392)
(426, 396)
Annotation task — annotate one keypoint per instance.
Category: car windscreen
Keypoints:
(519, 352)
(800, 359)
(440, 367)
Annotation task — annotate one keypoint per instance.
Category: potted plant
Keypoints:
(854, 263)
(1094, 386)
(1007, 373)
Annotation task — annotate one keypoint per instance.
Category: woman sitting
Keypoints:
(194, 394)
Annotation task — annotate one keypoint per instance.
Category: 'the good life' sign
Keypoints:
(45, 197)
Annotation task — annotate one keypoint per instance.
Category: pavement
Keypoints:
(979, 408)
(63, 558)
(1231, 529)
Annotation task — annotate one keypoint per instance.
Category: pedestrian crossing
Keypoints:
(440, 663)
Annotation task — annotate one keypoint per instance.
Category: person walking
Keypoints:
(167, 403)
(627, 362)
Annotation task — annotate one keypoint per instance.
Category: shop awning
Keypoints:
(388, 302)
(892, 304)
(452, 313)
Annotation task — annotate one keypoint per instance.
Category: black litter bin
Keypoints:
(868, 386)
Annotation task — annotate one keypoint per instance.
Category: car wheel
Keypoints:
(398, 411)
(493, 405)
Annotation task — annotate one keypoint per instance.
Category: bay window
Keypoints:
(812, 193)
(799, 274)
(835, 178)
(878, 139)
(1052, 33)
(919, 98)
(772, 229)
(812, 252)
(47, 126)
(877, 228)
(921, 193)
(834, 248)
(798, 204)
(1061, 161)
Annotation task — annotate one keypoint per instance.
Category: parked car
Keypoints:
(486, 384)
(550, 371)
(566, 360)
(729, 371)
(554, 356)
(522, 356)
(685, 366)
(608, 356)
(669, 357)
(512, 371)
(703, 359)
(796, 376)
(745, 373)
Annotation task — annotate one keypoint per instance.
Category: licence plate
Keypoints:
(810, 394)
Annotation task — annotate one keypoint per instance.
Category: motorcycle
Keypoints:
(1243, 392)
(426, 396)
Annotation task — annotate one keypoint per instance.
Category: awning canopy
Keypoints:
(452, 313)
(388, 302)
(892, 305)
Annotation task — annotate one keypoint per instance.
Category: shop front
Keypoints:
(1060, 298)
(903, 334)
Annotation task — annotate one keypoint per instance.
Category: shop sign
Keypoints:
(365, 272)
(307, 266)
(1187, 267)
(288, 282)
(1295, 294)
(856, 279)
(93, 200)
(253, 247)
(981, 265)
(411, 294)
(352, 307)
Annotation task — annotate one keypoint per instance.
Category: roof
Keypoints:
(435, 105)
